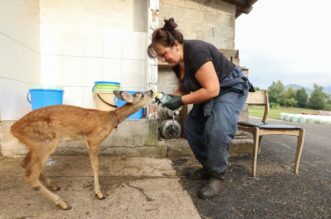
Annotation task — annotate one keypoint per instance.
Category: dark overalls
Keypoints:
(211, 126)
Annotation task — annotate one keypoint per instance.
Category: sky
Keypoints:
(287, 40)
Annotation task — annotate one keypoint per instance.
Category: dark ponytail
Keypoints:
(166, 36)
(169, 25)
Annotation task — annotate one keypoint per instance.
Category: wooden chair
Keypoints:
(263, 128)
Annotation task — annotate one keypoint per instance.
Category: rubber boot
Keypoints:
(212, 188)
(199, 174)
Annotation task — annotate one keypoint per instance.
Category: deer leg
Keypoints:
(38, 186)
(93, 153)
(34, 163)
(48, 182)
(33, 180)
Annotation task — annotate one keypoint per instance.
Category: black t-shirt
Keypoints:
(197, 53)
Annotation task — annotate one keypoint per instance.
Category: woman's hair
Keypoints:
(166, 36)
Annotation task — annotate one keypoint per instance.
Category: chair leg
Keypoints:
(255, 151)
(299, 150)
(260, 140)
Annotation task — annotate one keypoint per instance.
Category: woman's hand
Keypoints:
(174, 102)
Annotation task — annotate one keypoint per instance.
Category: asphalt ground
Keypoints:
(276, 192)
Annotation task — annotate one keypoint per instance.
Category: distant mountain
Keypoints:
(327, 89)
(297, 87)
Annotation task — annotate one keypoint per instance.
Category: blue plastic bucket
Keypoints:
(39, 97)
(134, 116)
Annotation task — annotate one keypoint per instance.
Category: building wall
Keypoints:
(86, 41)
(19, 55)
(212, 21)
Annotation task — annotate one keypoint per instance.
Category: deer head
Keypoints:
(138, 98)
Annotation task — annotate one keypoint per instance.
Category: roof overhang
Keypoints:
(242, 6)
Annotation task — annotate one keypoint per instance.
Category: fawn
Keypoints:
(41, 131)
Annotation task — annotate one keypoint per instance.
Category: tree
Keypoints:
(290, 102)
(318, 99)
(301, 97)
(290, 97)
(290, 93)
(328, 104)
(276, 92)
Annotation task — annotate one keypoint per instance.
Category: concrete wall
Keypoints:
(212, 21)
(19, 55)
(86, 41)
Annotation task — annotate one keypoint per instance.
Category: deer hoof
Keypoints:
(68, 207)
(37, 188)
(64, 206)
(100, 196)
(54, 188)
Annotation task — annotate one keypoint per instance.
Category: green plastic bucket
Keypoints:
(103, 94)
(106, 86)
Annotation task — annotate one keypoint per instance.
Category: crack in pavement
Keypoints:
(142, 191)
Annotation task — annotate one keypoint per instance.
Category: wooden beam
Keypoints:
(244, 6)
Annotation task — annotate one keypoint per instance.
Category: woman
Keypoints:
(218, 91)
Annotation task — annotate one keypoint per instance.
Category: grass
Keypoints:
(274, 113)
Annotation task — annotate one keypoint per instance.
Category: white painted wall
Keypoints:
(19, 55)
(87, 41)
(70, 44)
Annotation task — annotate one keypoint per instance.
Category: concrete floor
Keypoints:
(135, 188)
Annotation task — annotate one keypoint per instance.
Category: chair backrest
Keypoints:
(260, 98)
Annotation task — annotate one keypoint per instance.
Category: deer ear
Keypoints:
(117, 94)
(136, 97)
(122, 95)
(139, 95)
(126, 96)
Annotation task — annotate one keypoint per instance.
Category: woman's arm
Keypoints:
(210, 87)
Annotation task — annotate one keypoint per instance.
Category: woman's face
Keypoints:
(172, 55)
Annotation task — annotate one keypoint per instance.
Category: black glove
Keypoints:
(162, 98)
(174, 103)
